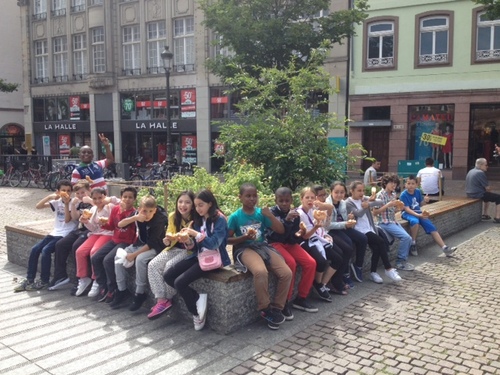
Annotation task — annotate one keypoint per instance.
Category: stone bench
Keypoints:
(232, 303)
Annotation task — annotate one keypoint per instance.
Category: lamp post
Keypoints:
(167, 56)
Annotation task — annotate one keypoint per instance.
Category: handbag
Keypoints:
(209, 259)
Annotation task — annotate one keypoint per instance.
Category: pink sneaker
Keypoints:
(159, 309)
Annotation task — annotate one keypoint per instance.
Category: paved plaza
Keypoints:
(442, 319)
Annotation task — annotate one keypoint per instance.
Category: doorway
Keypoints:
(376, 143)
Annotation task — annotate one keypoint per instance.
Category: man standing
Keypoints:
(370, 178)
(429, 178)
(476, 186)
(90, 168)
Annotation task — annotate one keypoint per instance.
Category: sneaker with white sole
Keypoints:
(94, 291)
(449, 251)
(58, 284)
(375, 277)
(37, 285)
(404, 266)
(287, 312)
(83, 284)
(198, 323)
(413, 250)
(300, 303)
(393, 275)
(201, 306)
(23, 284)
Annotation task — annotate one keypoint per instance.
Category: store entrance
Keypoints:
(483, 135)
(376, 143)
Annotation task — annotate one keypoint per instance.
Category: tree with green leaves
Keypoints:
(7, 87)
(492, 8)
(265, 33)
(281, 134)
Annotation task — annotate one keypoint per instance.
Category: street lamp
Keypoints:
(167, 56)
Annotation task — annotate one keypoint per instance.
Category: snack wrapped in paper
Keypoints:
(86, 214)
(374, 190)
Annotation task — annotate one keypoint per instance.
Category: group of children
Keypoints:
(108, 235)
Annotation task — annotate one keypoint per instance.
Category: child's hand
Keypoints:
(425, 214)
(350, 216)
(166, 241)
(292, 214)
(103, 220)
(426, 198)
(140, 217)
(373, 197)
(131, 257)
(351, 223)
(251, 233)
(365, 204)
(328, 238)
(267, 212)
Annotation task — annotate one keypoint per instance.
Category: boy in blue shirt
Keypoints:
(413, 199)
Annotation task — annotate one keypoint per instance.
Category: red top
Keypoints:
(448, 145)
(126, 234)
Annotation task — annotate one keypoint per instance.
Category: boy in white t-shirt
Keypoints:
(64, 224)
(428, 178)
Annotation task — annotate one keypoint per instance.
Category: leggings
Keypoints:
(334, 257)
(64, 247)
(358, 239)
(158, 266)
(180, 275)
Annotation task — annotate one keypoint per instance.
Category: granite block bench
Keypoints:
(232, 303)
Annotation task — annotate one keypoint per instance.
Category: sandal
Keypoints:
(485, 217)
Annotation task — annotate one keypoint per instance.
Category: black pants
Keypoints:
(104, 269)
(334, 257)
(347, 252)
(64, 247)
(180, 275)
(380, 250)
(358, 239)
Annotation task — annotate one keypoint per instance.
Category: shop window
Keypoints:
(484, 133)
(38, 110)
(435, 39)
(159, 105)
(379, 50)
(430, 128)
(143, 107)
(62, 109)
(84, 108)
(487, 39)
(377, 113)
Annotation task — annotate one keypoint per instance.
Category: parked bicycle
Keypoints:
(59, 171)
(35, 175)
(12, 175)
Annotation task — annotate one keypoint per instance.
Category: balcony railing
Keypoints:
(131, 72)
(80, 77)
(59, 12)
(156, 70)
(184, 68)
(64, 78)
(381, 62)
(41, 80)
(39, 16)
(78, 8)
(491, 54)
(438, 58)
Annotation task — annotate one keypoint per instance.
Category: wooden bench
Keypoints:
(232, 303)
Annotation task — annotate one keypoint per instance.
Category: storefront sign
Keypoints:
(219, 100)
(128, 105)
(59, 127)
(188, 97)
(74, 107)
(46, 145)
(431, 138)
(189, 149)
(177, 126)
(64, 144)
(154, 125)
(56, 127)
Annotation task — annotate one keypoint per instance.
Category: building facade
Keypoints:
(11, 104)
(424, 82)
(94, 66)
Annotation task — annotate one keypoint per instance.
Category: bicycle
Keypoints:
(35, 175)
(12, 175)
(59, 171)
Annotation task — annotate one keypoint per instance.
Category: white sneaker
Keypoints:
(83, 284)
(59, 284)
(94, 291)
(376, 278)
(198, 323)
(449, 251)
(201, 306)
(393, 275)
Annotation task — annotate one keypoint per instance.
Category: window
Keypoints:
(60, 50)
(41, 61)
(95, 2)
(58, 8)
(98, 51)
(184, 44)
(131, 50)
(218, 49)
(488, 38)
(40, 9)
(80, 69)
(157, 37)
(434, 40)
(380, 45)
(77, 5)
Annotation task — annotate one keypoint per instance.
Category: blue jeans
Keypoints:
(45, 247)
(397, 231)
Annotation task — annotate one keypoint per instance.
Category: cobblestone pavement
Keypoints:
(442, 319)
